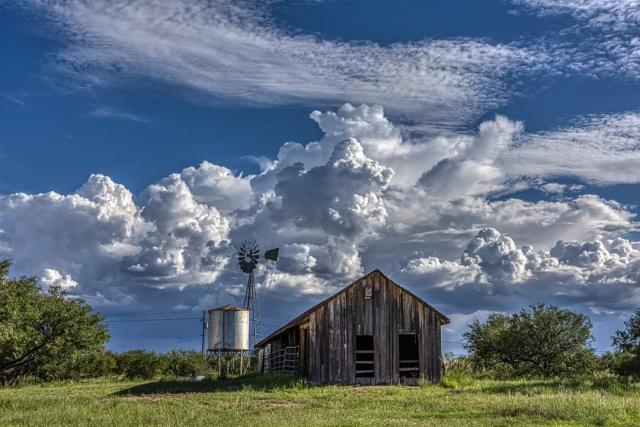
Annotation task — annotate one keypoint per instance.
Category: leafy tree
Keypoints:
(41, 331)
(185, 363)
(628, 339)
(627, 343)
(538, 341)
(141, 364)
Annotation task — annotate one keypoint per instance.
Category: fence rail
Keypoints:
(284, 360)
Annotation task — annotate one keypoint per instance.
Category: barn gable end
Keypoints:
(361, 335)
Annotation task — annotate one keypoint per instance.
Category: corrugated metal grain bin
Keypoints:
(228, 329)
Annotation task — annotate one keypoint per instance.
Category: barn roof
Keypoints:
(296, 321)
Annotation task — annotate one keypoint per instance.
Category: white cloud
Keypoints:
(217, 186)
(188, 242)
(600, 149)
(335, 210)
(53, 278)
(601, 41)
(600, 275)
(419, 218)
(476, 169)
(104, 111)
(342, 197)
(230, 50)
(614, 14)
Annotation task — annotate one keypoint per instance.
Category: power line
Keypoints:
(142, 313)
(153, 338)
(166, 319)
(153, 320)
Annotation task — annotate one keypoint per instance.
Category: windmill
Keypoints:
(248, 258)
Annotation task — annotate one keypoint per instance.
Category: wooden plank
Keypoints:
(333, 355)
(394, 336)
(431, 346)
(439, 349)
(422, 343)
(349, 338)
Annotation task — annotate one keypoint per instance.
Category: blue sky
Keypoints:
(515, 116)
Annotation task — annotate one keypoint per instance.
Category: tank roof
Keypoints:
(229, 307)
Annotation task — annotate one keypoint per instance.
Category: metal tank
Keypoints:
(228, 329)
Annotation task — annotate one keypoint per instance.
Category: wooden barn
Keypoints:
(371, 332)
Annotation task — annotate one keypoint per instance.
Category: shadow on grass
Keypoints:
(256, 382)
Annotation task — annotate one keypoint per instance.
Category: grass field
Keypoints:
(269, 401)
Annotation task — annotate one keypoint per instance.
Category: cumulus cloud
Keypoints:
(343, 197)
(599, 275)
(337, 209)
(78, 233)
(106, 242)
(188, 242)
(218, 186)
(476, 169)
(53, 278)
(380, 139)
(418, 218)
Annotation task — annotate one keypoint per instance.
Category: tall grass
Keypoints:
(285, 401)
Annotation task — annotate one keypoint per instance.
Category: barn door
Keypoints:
(409, 356)
(365, 359)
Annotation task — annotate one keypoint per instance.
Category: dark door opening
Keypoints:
(365, 367)
(409, 356)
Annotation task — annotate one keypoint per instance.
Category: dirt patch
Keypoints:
(279, 404)
(151, 398)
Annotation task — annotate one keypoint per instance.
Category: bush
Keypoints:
(185, 363)
(626, 361)
(541, 341)
(82, 365)
(41, 333)
(141, 364)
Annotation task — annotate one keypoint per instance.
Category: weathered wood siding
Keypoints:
(328, 348)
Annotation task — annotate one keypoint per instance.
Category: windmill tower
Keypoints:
(248, 258)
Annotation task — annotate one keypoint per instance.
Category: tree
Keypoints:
(626, 360)
(185, 363)
(628, 339)
(41, 331)
(141, 364)
(538, 341)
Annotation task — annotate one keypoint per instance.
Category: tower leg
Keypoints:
(251, 304)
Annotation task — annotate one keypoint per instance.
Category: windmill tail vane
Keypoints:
(248, 259)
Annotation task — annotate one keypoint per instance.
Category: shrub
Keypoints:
(540, 341)
(185, 363)
(82, 365)
(141, 364)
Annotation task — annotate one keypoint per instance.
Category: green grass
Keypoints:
(285, 402)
